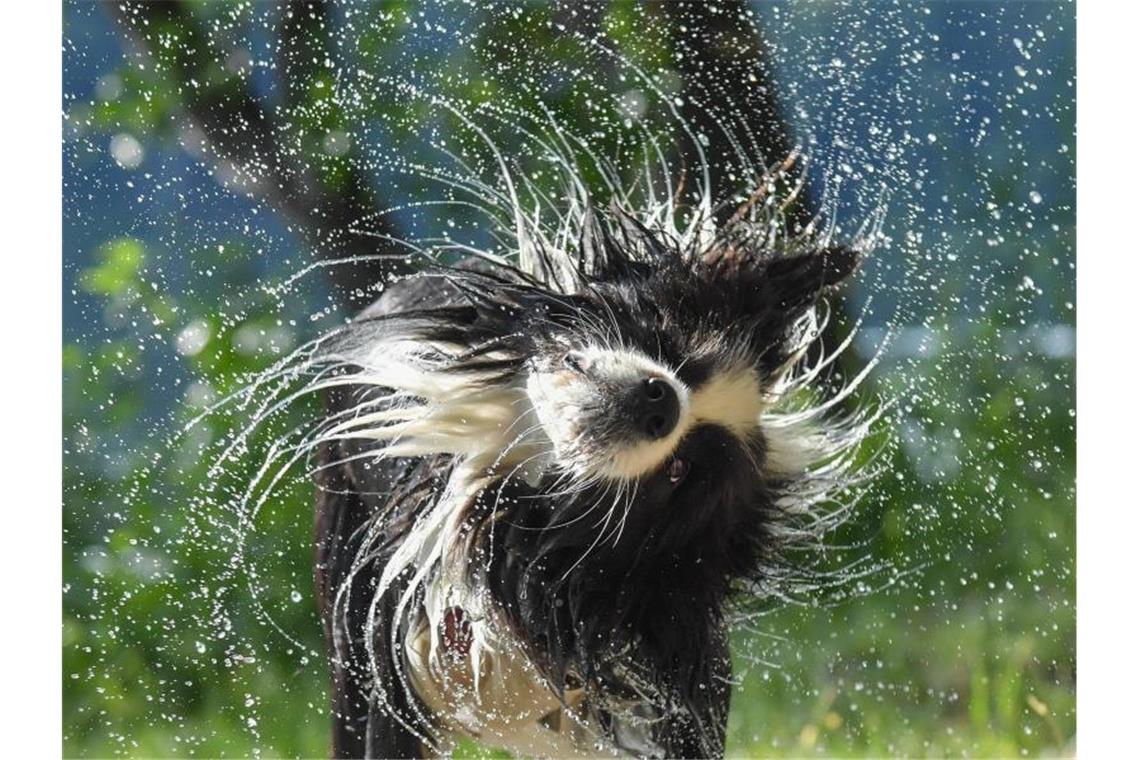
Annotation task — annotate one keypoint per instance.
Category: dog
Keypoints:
(545, 480)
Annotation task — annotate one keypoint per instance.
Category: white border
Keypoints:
(1107, 372)
(30, 448)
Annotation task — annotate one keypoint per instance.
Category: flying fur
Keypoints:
(498, 554)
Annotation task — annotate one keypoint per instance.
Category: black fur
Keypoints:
(350, 499)
(639, 612)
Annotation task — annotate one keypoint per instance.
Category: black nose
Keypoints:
(657, 407)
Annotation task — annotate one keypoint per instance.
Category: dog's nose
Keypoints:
(658, 407)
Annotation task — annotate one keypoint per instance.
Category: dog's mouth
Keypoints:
(614, 414)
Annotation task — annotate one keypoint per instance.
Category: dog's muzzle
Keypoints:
(616, 412)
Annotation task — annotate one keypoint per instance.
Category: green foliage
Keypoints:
(117, 270)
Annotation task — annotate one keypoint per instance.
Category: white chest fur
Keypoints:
(496, 696)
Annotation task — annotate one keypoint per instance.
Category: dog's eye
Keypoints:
(576, 362)
(677, 470)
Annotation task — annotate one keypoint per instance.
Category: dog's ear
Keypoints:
(598, 252)
(795, 282)
(634, 234)
(839, 263)
(615, 245)
(787, 287)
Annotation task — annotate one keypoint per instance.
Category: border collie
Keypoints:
(548, 476)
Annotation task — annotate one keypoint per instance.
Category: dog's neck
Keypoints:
(619, 619)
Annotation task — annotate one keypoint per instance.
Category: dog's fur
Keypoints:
(502, 552)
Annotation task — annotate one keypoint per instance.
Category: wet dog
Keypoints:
(546, 478)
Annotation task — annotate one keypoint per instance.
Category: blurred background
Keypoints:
(216, 156)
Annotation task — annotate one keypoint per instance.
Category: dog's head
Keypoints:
(653, 380)
(658, 371)
(644, 372)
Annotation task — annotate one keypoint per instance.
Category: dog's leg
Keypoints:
(394, 727)
(339, 513)
(698, 730)
(360, 727)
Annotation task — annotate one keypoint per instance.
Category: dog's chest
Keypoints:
(492, 693)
